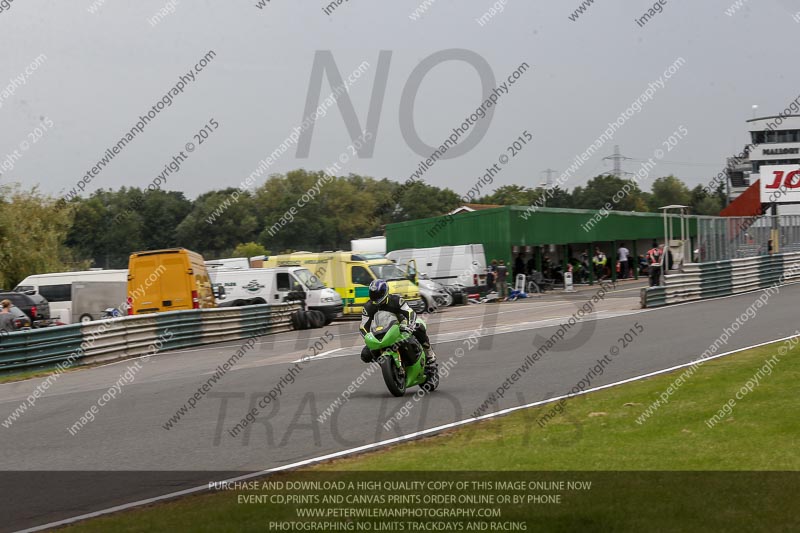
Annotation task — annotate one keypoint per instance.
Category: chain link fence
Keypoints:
(721, 238)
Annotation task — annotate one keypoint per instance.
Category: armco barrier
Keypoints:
(39, 346)
(697, 281)
(184, 328)
(133, 336)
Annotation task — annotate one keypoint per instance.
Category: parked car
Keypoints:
(435, 294)
(33, 305)
(21, 320)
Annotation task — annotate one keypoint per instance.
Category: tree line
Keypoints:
(39, 233)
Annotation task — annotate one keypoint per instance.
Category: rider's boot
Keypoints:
(431, 359)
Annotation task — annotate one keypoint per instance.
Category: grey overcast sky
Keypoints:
(105, 69)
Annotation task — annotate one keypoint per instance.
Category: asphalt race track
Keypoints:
(126, 454)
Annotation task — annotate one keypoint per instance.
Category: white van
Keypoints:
(273, 285)
(56, 288)
(370, 244)
(231, 262)
(449, 265)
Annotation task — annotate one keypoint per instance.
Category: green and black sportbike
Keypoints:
(402, 357)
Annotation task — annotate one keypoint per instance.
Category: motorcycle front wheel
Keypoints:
(393, 376)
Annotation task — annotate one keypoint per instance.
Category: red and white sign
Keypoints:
(779, 184)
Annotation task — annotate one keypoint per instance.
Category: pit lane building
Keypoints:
(562, 234)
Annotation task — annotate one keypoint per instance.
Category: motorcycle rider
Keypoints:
(381, 300)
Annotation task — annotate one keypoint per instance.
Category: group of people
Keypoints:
(649, 263)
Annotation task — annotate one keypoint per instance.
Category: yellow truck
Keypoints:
(168, 280)
(350, 273)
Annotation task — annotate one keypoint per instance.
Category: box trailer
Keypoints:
(91, 298)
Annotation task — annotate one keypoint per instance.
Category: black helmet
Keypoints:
(378, 291)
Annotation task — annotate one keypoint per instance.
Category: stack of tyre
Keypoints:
(300, 319)
(308, 319)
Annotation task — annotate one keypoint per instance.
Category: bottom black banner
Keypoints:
(432, 501)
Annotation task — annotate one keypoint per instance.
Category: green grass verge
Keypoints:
(10, 376)
(595, 433)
